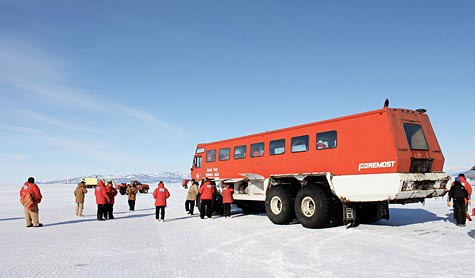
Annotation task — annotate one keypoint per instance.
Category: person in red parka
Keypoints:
(30, 197)
(227, 199)
(109, 207)
(468, 201)
(206, 198)
(101, 199)
(160, 194)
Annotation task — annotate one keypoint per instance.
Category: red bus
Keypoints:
(342, 170)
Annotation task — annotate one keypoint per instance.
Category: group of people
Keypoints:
(30, 196)
(207, 192)
(105, 199)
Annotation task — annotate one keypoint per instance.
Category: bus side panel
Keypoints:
(363, 143)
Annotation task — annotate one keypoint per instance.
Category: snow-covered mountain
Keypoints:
(167, 177)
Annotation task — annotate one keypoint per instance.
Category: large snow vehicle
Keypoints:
(339, 171)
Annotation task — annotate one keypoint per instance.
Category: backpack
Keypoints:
(458, 191)
(27, 201)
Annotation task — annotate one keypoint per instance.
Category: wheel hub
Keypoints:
(276, 205)
(307, 206)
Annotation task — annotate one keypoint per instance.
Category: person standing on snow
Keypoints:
(227, 200)
(80, 193)
(101, 199)
(468, 201)
(191, 198)
(30, 197)
(161, 195)
(109, 207)
(458, 193)
(206, 197)
(132, 196)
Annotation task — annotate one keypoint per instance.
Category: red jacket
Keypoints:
(111, 192)
(161, 194)
(228, 195)
(206, 191)
(101, 194)
(33, 189)
(467, 185)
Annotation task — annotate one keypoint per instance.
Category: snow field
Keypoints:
(418, 241)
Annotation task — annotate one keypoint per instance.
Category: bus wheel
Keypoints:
(279, 206)
(312, 207)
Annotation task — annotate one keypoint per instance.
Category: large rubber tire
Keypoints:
(312, 207)
(145, 190)
(279, 205)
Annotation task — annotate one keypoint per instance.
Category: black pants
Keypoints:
(131, 204)
(206, 205)
(459, 211)
(190, 206)
(227, 210)
(160, 211)
(100, 212)
(108, 210)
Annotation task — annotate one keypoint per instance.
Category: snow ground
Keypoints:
(418, 241)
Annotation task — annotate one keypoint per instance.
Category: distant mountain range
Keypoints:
(167, 177)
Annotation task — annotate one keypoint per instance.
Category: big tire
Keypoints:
(312, 207)
(279, 206)
(145, 190)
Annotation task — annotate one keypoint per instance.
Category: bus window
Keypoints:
(415, 137)
(197, 162)
(211, 156)
(326, 140)
(224, 153)
(240, 152)
(299, 144)
(277, 147)
(257, 149)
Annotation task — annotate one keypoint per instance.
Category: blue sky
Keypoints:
(117, 87)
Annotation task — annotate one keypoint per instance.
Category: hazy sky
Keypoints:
(117, 87)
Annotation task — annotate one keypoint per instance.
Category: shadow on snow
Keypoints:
(11, 218)
(404, 217)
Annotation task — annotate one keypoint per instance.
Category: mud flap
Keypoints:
(383, 211)
(349, 216)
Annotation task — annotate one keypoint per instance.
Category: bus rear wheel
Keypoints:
(279, 207)
(312, 207)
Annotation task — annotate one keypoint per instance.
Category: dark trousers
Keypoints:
(108, 210)
(206, 205)
(160, 211)
(131, 204)
(227, 210)
(459, 211)
(100, 211)
(190, 206)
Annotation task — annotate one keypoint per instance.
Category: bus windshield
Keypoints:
(415, 137)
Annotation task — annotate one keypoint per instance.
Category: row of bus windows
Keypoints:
(325, 140)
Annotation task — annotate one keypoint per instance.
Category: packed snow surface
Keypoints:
(418, 241)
